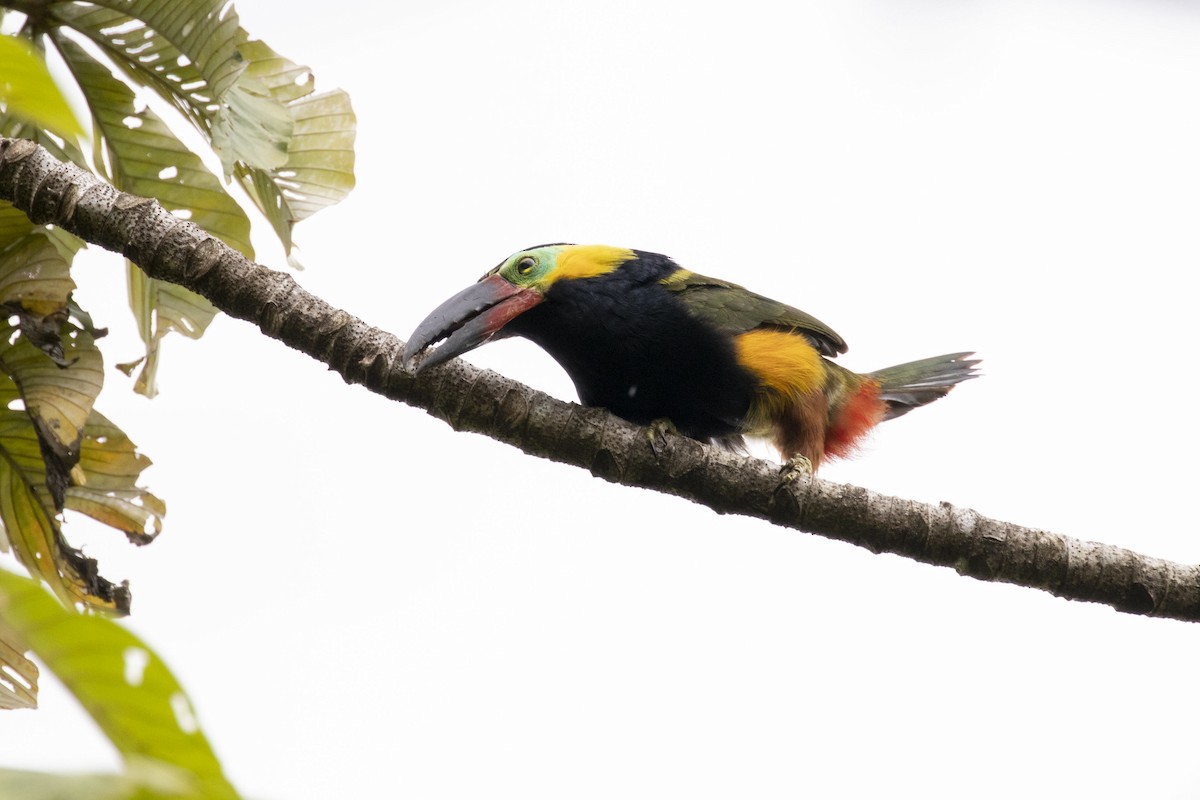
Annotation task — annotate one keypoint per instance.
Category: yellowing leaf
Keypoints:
(14, 225)
(57, 393)
(107, 491)
(97, 477)
(35, 269)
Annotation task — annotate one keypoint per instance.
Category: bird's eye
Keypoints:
(526, 264)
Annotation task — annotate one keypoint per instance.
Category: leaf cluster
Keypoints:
(170, 87)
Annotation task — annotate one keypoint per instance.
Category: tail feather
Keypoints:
(906, 386)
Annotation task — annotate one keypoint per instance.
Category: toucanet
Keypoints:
(650, 341)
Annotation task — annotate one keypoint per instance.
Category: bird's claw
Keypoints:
(657, 432)
(796, 468)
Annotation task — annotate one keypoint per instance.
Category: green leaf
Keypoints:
(251, 128)
(319, 170)
(147, 159)
(123, 685)
(63, 149)
(194, 40)
(292, 150)
(186, 50)
(27, 91)
(162, 308)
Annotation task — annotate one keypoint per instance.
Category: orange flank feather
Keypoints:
(785, 363)
(790, 406)
(806, 405)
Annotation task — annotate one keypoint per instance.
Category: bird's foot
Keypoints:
(657, 432)
(796, 468)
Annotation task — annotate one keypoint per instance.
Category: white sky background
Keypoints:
(363, 603)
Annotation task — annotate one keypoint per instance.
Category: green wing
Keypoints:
(737, 310)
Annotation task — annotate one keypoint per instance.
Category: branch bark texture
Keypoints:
(470, 399)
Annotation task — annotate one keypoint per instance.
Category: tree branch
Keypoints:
(468, 398)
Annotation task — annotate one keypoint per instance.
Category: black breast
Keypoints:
(630, 347)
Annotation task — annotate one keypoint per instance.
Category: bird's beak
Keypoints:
(468, 319)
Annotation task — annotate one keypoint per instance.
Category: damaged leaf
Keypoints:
(147, 159)
(107, 491)
(18, 675)
(319, 169)
(56, 452)
(127, 690)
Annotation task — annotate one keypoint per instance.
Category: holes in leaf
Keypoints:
(11, 24)
(132, 122)
(141, 99)
(183, 60)
(106, 160)
(136, 661)
(128, 26)
(167, 173)
(13, 678)
(182, 213)
(16, 404)
(183, 713)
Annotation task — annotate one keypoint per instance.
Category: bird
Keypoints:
(655, 343)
